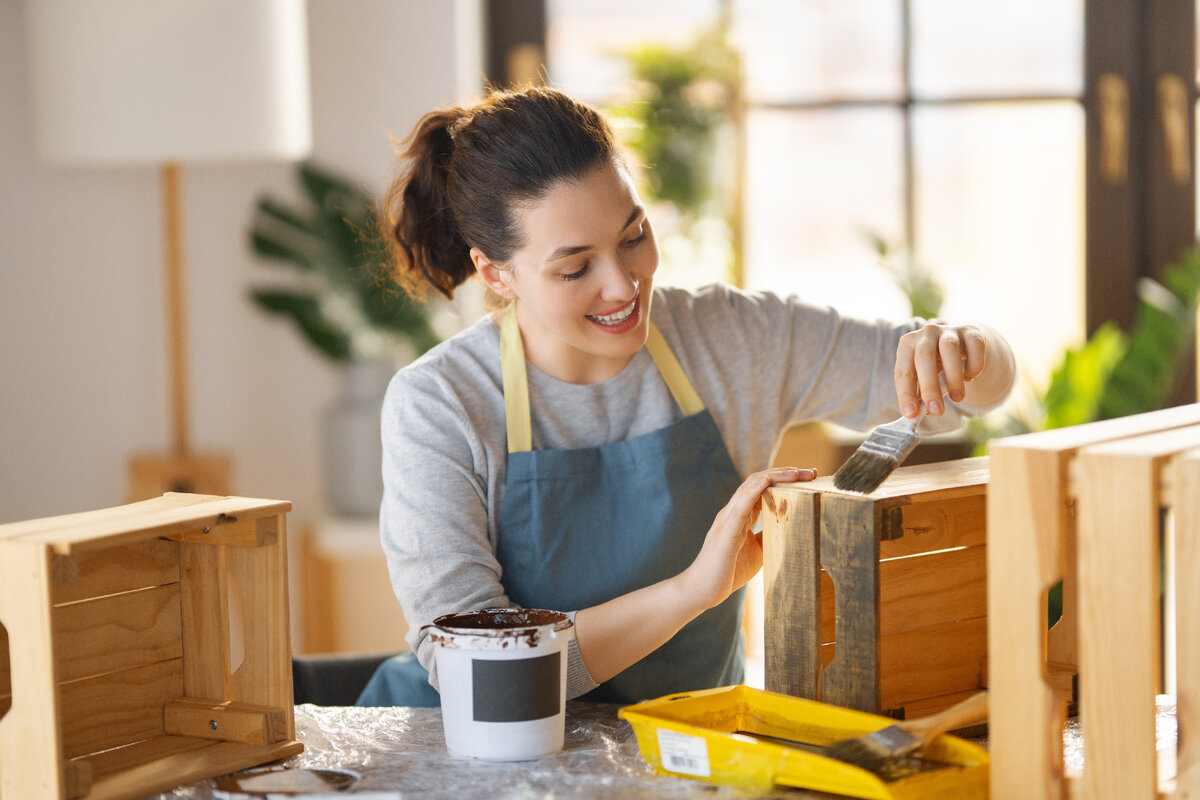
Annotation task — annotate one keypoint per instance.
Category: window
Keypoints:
(968, 132)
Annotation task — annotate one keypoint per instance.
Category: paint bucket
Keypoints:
(502, 673)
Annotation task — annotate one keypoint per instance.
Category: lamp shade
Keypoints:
(154, 81)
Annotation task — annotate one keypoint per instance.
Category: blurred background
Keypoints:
(1028, 164)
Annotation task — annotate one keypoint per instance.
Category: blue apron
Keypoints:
(582, 526)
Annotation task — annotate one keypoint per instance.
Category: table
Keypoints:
(401, 753)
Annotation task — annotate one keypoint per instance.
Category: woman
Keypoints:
(587, 448)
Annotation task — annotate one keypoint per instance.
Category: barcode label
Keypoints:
(683, 753)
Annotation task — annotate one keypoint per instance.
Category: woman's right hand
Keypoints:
(732, 552)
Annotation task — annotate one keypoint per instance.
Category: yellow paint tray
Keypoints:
(732, 736)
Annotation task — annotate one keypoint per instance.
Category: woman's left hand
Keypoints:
(732, 552)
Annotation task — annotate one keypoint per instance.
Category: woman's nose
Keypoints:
(619, 282)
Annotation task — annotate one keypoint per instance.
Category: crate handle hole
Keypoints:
(5, 673)
(237, 627)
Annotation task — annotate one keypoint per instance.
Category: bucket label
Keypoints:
(516, 691)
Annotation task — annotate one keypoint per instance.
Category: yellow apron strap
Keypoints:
(516, 384)
(677, 380)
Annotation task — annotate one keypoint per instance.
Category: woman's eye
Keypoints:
(577, 274)
(638, 239)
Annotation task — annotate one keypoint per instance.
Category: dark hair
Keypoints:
(468, 167)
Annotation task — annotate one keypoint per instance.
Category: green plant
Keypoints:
(1114, 373)
(684, 96)
(925, 294)
(343, 301)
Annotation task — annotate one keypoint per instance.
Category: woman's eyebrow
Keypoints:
(571, 250)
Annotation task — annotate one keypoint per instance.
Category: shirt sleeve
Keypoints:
(762, 362)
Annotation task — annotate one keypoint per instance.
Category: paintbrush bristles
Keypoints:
(876, 751)
(878, 456)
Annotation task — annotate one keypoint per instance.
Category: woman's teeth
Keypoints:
(613, 319)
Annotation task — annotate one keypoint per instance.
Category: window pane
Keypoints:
(806, 50)
(586, 38)
(816, 181)
(986, 49)
(999, 203)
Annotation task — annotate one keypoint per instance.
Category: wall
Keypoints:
(82, 357)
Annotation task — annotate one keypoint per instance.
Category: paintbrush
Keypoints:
(882, 749)
(876, 458)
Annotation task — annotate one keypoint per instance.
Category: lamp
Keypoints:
(168, 82)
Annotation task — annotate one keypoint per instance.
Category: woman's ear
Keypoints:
(492, 274)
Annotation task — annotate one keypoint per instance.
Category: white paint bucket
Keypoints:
(502, 673)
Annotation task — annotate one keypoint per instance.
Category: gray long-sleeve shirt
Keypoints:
(759, 362)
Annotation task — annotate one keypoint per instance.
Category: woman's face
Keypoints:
(583, 279)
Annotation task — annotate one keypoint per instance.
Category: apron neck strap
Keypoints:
(516, 382)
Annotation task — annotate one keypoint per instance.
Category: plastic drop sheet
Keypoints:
(401, 753)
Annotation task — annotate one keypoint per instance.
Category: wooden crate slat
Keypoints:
(850, 553)
(94, 569)
(918, 594)
(206, 624)
(1027, 523)
(120, 759)
(161, 516)
(931, 483)
(929, 662)
(265, 676)
(932, 589)
(141, 778)
(1068, 440)
(29, 735)
(956, 522)
(118, 708)
(1118, 617)
(1186, 506)
(118, 632)
(791, 571)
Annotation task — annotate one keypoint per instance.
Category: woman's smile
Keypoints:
(621, 320)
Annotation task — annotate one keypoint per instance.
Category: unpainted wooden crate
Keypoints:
(143, 647)
(1108, 508)
(878, 602)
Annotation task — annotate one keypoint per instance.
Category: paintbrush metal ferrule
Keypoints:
(895, 440)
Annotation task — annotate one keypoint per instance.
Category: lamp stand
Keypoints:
(180, 469)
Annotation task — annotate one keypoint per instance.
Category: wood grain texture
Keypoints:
(1027, 510)
(30, 731)
(167, 515)
(1118, 623)
(1186, 505)
(850, 553)
(117, 708)
(93, 569)
(792, 595)
(118, 632)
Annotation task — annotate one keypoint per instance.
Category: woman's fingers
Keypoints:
(934, 361)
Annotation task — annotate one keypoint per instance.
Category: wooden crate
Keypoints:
(1088, 505)
(878, 602)
(147, 647)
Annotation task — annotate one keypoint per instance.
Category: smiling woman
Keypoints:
(598, 444)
